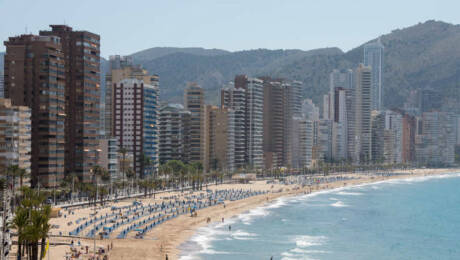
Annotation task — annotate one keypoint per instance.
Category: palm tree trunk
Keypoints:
(42, 249)
(35, 250)
(19, 249)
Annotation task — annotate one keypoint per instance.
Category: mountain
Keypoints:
(423, 55)
(158, 52)
(213, 71)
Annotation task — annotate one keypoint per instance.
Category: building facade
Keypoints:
(435, 144)
(362, 120)
(373, 57)
(15, 135)
(135, 122)
(35, 76)
(194, 102)
(174, 124)
(81, 55)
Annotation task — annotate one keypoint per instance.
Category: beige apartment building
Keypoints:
(15, 135)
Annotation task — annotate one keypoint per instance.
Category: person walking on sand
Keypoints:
(229, 228)
(222, 220)
(166, 256)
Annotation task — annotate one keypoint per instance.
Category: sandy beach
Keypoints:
(166, 238)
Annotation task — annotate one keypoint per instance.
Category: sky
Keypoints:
(129, 26)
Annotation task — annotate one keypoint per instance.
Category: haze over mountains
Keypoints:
(423, 55)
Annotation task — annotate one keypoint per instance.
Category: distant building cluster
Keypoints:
(52, 123)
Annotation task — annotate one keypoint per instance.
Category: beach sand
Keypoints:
(167, 237)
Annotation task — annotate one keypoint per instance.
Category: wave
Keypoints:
(302, 249)
(309, 241)
(339, 204)
(347, 193)
(201, 242)
(242, 235)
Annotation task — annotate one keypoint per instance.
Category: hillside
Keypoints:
(212, 72)
(424, 55)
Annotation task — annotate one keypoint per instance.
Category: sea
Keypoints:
(414, 218)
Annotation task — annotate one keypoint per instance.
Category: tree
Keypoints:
(32, 223)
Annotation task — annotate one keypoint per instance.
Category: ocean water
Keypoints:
(416, 218)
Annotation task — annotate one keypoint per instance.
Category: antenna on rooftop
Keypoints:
(26, 29)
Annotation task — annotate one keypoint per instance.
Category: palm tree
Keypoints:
(19, 223)
(21, 173)
(148, 163)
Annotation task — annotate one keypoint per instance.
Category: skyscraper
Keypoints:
(435, 146)
(135, 122)
(363, 81)
(81, 57)
(373, 57)
(246, 98)
(121, 67)
(254, 91)
(235, 99)
(219, 138)
(194, 102)
(35, 77)
(174, 133)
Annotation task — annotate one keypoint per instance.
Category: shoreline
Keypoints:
(354, 183)
(168, 237)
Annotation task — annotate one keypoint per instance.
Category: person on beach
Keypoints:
(229, 228)
(222, 220)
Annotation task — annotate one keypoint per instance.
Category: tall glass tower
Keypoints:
(373, 57)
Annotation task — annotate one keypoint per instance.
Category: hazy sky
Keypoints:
(133, 25)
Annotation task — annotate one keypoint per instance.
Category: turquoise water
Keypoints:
(415, 218)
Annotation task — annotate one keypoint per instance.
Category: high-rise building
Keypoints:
(15, 135)
(276, 120)
(174, 141)
(302, 142)
(435, 146)
(378, 133)
(363, 107)
(350, 122)
(408, 138)
(324, 139)
(282, 101)
(81, 57)
(373, 57)
(394, 125)
(194, 102)
(337, 80)
(121, 67)
(254, 94)
(246, 98)
(219, 138)
(1, 85)
(151, 133)
(136, 123)
(235, 99)
(35, 77)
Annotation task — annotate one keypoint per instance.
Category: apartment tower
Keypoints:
(81, 56)
(35, 77)
(363, 107)
(194, 102)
